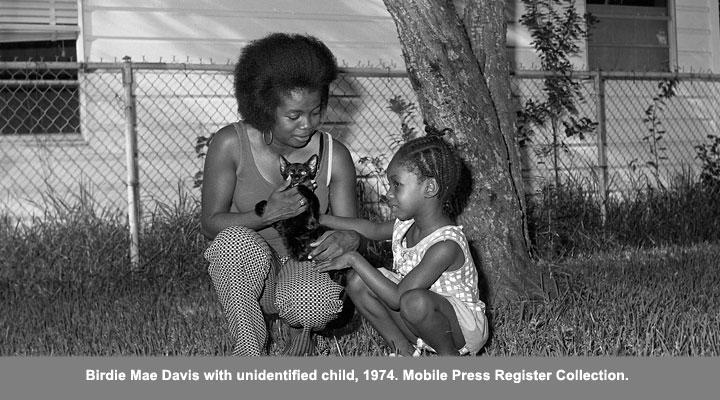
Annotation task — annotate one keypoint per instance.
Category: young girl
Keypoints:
(431, 296)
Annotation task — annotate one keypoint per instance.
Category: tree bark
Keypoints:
(457, 63)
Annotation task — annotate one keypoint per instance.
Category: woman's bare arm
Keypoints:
(219, 180)
(343, 203)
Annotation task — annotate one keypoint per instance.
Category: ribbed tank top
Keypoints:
(251, 187)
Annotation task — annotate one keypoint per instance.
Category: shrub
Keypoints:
(709, 154)
(566, 220)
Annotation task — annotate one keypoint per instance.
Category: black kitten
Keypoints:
(301, 230)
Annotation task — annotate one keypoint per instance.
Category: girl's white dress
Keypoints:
(459, 286)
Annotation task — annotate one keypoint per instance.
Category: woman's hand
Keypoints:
(344, 261)
(333, 244)
(284, 202)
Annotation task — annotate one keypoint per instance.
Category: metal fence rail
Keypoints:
(641, 138)
(63, 129)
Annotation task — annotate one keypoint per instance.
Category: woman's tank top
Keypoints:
(251, 187)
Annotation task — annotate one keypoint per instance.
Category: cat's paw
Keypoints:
(260, 208)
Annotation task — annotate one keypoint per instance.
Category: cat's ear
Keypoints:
(312, 163)
(284, 167)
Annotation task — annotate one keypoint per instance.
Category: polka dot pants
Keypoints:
(244, 269)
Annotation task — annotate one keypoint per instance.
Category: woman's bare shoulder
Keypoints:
(340, 151)
(225, 143)
(225, 136)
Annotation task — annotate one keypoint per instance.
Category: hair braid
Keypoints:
(432, 157)
(452, 177)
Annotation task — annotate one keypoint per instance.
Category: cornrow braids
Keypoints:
(431, 156)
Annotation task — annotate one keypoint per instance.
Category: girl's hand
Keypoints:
(344, 261)
(332, 244)
(284, 202)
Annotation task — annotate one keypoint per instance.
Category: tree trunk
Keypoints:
(452, 51)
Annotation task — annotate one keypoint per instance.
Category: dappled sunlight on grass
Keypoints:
(67, 288)
(636, 302)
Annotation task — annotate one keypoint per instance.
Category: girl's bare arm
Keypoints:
(438, 258)
(342, 203)
(369, 229)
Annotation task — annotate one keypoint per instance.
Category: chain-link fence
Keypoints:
(65, 129)
(648, 125)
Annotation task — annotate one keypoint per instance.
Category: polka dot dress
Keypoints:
(244, 271)
(305, 297)
(461, 283)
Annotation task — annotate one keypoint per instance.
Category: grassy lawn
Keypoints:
(637, 302)
(66, 288)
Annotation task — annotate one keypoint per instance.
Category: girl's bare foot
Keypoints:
(405, 349)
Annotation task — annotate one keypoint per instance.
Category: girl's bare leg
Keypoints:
(378, 314)
(433, 318)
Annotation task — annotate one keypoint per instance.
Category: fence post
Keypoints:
(602, 167)
(131, 155)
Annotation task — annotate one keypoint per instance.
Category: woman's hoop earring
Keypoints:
(271, 138)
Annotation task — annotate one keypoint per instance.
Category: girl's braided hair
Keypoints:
(431, 156)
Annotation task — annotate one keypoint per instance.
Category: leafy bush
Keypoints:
(557, 31)
(656, 149)
(566, 221)
(709, 154)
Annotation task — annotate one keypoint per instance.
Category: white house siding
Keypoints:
(172, 111)
(580, 156)
(58, 167)
(170, 115)
(521, 53)
(30, 20)
(687, 118)
(173, 107)
(359, 32)
(698, 35)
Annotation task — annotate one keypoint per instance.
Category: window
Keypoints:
(45, 50)
(38, 101)
(631, 35)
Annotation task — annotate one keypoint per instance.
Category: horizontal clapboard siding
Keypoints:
(360, 33)
(34, 20)
(31, 13)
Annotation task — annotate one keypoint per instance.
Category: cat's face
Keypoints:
(299, 173)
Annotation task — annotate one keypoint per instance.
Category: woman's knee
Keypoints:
(415, 304)
(237, 241)
(237, 249)
(306, 297)
(240, 238)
